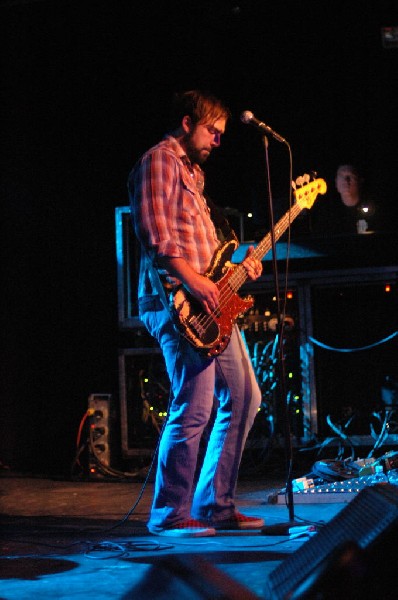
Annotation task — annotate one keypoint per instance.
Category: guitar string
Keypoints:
(227, 292)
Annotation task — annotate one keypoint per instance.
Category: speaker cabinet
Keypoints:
(354, 556)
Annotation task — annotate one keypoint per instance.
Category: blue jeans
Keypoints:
(222, 392)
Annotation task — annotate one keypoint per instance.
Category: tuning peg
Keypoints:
(306, 178)
(299, 181)
(294, 185)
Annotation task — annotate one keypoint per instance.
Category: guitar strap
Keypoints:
(221, 223)
(155, 281)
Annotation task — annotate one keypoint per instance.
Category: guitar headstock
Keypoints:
(306, 191)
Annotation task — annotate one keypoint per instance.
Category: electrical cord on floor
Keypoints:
(123, 549)
(117, 549)
(107, 550)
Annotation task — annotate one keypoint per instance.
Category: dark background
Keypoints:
(85, 90)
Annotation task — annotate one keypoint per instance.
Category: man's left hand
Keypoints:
(252, 265)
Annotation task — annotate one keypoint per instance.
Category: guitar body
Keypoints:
(212, 333)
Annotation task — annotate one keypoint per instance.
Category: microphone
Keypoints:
(249, 119)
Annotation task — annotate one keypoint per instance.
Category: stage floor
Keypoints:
(67, 539)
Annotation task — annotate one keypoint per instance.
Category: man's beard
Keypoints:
(196, 155)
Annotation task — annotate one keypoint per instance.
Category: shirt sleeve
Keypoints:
(155, 203)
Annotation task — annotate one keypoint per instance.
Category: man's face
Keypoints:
(201, 140)
(346, 181)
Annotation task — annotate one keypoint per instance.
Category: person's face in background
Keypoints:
(347, 184)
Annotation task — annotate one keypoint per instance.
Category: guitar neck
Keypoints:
(239, 275)
(265, 245)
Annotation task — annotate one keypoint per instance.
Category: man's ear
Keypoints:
(187, 124)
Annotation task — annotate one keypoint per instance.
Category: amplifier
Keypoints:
(144, 394)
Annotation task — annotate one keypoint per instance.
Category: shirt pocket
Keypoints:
(194, 211)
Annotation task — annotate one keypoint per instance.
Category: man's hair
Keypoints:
(351, 169)
(348, 167)
(200, 106)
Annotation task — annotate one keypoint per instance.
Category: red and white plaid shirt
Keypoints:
(170, 214)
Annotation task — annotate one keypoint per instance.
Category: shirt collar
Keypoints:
(178, 149)
(194, 169)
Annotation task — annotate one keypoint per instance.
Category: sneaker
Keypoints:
(239, 521)
(187, 528)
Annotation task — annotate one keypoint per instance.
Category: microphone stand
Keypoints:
(282, 528)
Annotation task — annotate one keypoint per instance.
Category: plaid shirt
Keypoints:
(170, 214)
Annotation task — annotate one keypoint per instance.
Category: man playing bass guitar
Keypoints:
(178, 241)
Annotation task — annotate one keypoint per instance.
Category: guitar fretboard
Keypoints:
(239, 275)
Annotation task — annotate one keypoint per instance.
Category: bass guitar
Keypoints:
(211, 333)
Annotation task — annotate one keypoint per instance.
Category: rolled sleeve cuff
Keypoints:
(168, 248)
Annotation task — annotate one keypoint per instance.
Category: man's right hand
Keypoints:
(205, 291)
(199, 286)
